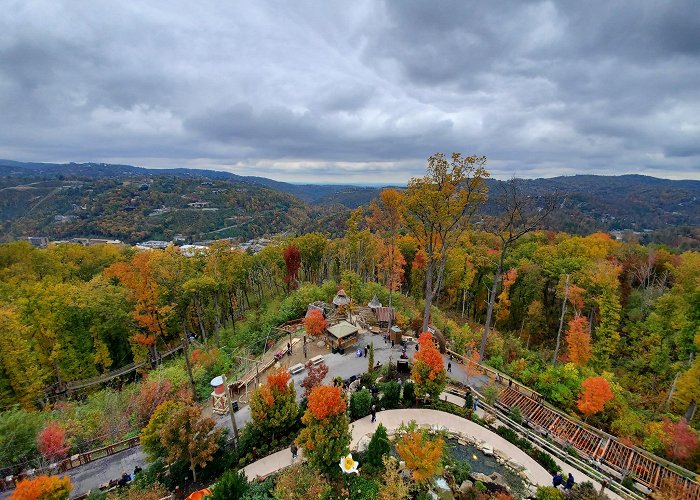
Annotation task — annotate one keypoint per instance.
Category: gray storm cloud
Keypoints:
(354, 91)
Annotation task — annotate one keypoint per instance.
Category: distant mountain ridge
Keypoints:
(311, 193)
(34, 201)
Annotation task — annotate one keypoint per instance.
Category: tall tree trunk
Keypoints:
(561, 320)
(187, 360)
(492, 301)
(428, 295)
(194, 473)
(391, 281)
(217, 321)
(198, 310)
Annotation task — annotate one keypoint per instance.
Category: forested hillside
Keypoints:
(605, 330)
(632, 315)
(134, 209)
(48, 199)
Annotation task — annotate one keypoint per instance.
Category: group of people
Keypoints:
(558, 480)
(122, 481)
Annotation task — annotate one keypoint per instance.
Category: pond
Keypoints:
(486, 464)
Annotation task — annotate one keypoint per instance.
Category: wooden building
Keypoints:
(341, 336)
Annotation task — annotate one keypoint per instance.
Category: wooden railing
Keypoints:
(106, 377)
(72, 462)
(648, 469)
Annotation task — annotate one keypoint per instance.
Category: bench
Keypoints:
(317, 360)
(298, 368)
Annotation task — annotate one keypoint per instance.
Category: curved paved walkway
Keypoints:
(392, 419)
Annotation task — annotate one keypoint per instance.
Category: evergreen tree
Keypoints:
(233, 485)
(378, 447)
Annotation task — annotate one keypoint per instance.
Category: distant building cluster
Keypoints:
(252, 246)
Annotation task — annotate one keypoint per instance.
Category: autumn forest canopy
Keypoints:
(605, 330)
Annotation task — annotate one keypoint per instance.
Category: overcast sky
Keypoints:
(354, 91)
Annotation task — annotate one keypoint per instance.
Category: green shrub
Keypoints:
(508, 434)
(586, 491)
(409, 394)
(389, 372)
(546, 461)
(392, 395)
(628, 482)
(150, 475)
(549, 493)
(461, 471)
(362, 488)
(360, 404)
(97, 495)
(490, 394)
(515, 415)
(368, 379)
(232, 486)
(260, 490)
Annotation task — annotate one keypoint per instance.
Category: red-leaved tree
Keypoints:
(51, 442)
(292, 260)
(681, 440)
(314, 376)
(314, 323)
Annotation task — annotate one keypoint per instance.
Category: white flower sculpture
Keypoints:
(349, 465)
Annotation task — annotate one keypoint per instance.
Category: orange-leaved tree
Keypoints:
(51, 442)
(327, 433)
(422, 454)
(595, 392)
(315, 323)
(578, 341)
(185, 435)
(43, 488)
(150, 313)
(273, 405)
(428, 368)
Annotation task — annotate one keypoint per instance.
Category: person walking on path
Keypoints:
(294, 450)
(449, 366)
(569, 482)
(305, 352)
(557, 480)
(476, 403)
(289, 349)
(366, 349)
(374, 413)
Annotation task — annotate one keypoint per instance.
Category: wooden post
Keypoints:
(230, 408)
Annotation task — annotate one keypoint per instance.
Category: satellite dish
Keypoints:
(217, 381)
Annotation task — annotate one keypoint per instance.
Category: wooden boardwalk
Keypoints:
(76, 385)
(647, 469)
